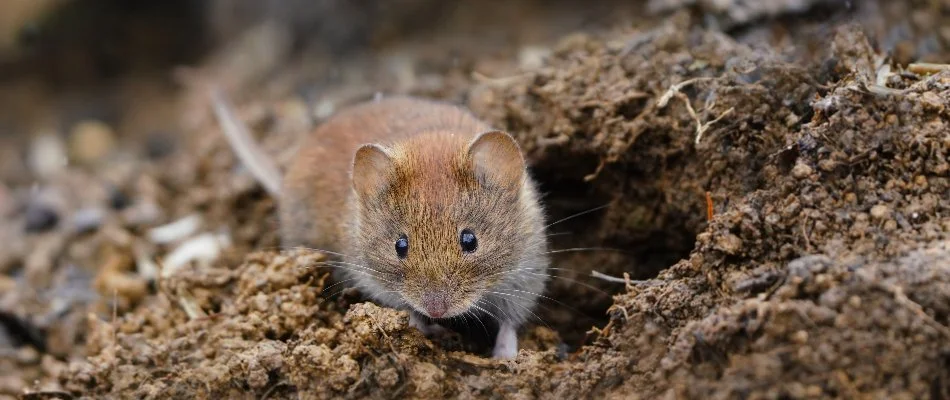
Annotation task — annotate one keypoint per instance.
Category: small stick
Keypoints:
(675, 89)
(709, 207)
(626, 279)
(485, 79)
(927, 68)
(701, 128)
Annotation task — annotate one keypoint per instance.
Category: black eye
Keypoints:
(468, 241)
(402, 246)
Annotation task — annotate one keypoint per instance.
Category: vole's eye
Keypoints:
(468, 241)
(402, 246)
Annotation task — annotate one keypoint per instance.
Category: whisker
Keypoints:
(522, 306)
(311, 249)
(338, 283)
(475, 305)
(349, 264)
(475, 317)
(530, 269)
(558, 234)
(338, 292)
(502, 310)
(546, 298)
(578, 249)
(494, 274)
(376, 277)
(578, 215)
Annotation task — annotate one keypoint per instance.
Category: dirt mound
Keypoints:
(808, 204)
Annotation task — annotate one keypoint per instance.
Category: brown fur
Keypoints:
(433, 170)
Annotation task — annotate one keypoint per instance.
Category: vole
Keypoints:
(426, 207)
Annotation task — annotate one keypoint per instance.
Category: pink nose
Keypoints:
(434, 304)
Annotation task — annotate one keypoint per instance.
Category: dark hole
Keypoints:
(622, 237)
(22, 332)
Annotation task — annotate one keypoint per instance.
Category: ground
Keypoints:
(762, 190)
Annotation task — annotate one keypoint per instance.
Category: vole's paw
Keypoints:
(506, 343)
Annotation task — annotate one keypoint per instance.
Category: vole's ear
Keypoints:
(372, 169)
(496, 157)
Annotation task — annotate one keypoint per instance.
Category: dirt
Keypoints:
(766, 189)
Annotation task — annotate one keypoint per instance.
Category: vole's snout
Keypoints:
(435, 303)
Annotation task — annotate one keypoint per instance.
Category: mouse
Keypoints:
(422, 206)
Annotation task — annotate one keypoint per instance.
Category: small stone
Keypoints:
(88, 219)
(90, 141)
(729, 244)
(827, 165)
(142, 213)
(40, 218)
(801, 170)
(880, 211)
(931, 101)
(890, 225)
(814, 391)
(854, 301)
(47, 155)
(532, 57)
(800, 337)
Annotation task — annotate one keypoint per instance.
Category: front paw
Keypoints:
(506, 343)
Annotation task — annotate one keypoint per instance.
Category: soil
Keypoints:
(753, 202)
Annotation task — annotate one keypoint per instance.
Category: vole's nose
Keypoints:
(435, 304)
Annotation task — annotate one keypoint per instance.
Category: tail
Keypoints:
(250, 154)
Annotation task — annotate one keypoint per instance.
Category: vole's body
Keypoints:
(436, 178)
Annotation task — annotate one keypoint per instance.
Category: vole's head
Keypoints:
(443, 219)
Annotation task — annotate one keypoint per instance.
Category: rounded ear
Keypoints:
(372, 169)
(496, 157)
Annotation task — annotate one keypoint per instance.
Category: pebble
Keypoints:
(90, 141)
(47, 155)
(729, 244)
(532, 57)
(40, 218)
(142, 213)
(800, 337)
(203, 249)
(801, 170)
(88, 219)
(880, 211)
(175, 231)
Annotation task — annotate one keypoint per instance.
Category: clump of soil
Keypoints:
(767, 228)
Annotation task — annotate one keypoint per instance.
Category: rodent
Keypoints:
(427, 207)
